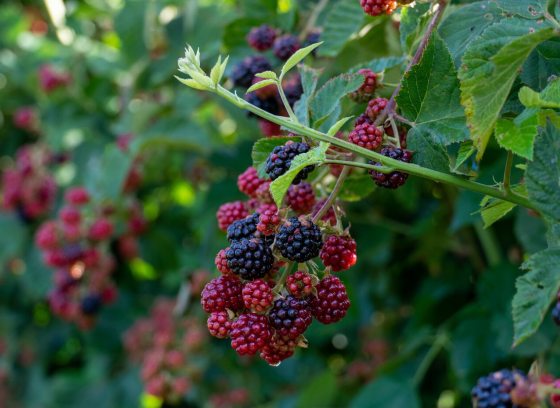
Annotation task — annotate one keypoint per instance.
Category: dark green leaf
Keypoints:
(319, 392)
(327, 98)
(343, 20)
(386, 392)
(412, 22)
(356, 187)
(427, 153)
(525, 8)
(518, 135)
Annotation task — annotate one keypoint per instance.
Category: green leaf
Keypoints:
(548, 98)
(543, 173)
(267, 75)
(412, 21)
(107, 175)
(343, 19)
(356, 187)
(466, 24)
(536, 290)
(298, 56)
(309, 79)
(493, 209)
(542, 63)
(490, 65)
(12, 238)
(386, 392)
(427, 153)
(518, 135)
(262, 149)
(279, 186)
(326, 100)
(466, 150)
(430, 96)
(261, 84)
(338, 125)
(319, 392)
(380, 64)
(525, 8)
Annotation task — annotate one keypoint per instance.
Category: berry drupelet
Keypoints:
(261, 38)
(285, 46)
(394, 179)
(331, 303)
(250, 259)
(299, 240)
(280, 160)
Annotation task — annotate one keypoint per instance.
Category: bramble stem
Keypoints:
(380, 169)
(409, 168)
(507, 172)
(332, 196)
(285, 102)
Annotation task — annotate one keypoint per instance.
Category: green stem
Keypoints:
(489, 244)
(291, 113)
(439, 342)
(507, 172)
(380, 169)
(332, 196)
(409, 168)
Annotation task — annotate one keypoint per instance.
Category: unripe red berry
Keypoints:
(367, 136)
(375, 107)
(47, 236)
(378, 7)
(219, 324)
(101, 229)
(367, 89)
(70, 215)
(250, 333)
(257, 296)
(249, 181)
(331, 303)
(77, 196)
(230, 212)
(300, 284)
(301, 198)
(222, 293)
(339, 252)
(221, 262)
(269, 129)
(269, 220)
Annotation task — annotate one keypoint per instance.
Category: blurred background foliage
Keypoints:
(431, 291)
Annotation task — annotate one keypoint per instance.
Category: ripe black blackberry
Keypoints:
(244, 71)
(222, 293)
(556, 313)
(312, 38)
(331, 303)
(299, 240)
(280, 160)
(244, 228)
(269, 104)
(394, 179)
(493, 391)
(249, 258)
(91, 304)
(250, 333)
(290, 316)
(285, 46)
(261, 38)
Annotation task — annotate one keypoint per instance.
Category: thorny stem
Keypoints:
(332, 197)
(390, 108)
(409, 168)
(507, 172)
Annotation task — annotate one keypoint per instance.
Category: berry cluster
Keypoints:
(495, 389)
(77, 246)
(256, 302)
(27, 186)
(164, 345)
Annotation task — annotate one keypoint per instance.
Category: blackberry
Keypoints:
(91, 304)
(261, 38)
(331, 303)
(378, 7)
(222, 293)
(250, 333)
(243, 73)
(300, 284)
(230, 212)
(285, 46)
(301, 198)
(312, 38)
(219, 324)
(280, 160)
(243, 229)
(269, 104)
(394, 179)
(269, 219)
(221, 262)
(363, 118)
(250, 259)
(290, 316)
(367, 136)
(375, 107)
(293, 89)
(257, 296)
(299, 240)
(493, 391)
(278, 349)
(367, 89)
(249, 181)
(556, 313)
(339, 252)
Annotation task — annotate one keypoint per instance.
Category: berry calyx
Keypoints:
(222, 293)
(257, 296)
(331, 303)
(375, 107)
(367, 136)
(290, 316)
(339, 252)
(300, 284)
(378, 7)
(394, 179)
(249, 333)
(250, 259)
(219, 324)
(249, 181)
(230, 212)
(299, 240)
(301, 198)
(285, 46)
(261, 38)
(367, 89)
(280, 160)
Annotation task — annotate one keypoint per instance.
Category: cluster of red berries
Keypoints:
(164, 346)
(257, 301)
(379, 7)
(28, 187)
(77, 246)
(51, 78)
